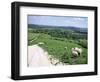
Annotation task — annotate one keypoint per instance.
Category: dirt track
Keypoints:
(37, 56)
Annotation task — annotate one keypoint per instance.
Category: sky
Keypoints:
(81, 22)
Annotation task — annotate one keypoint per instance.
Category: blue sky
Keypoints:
(81, 22)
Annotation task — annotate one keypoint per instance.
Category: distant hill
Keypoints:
(56, 27)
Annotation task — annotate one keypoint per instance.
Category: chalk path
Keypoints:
(37, 56)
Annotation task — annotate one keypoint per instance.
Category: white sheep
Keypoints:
(79, 50)
(74, 52)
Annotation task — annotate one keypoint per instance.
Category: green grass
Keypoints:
(56, 47)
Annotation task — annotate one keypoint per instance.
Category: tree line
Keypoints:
(61, 33)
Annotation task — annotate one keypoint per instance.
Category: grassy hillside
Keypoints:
(55, 41)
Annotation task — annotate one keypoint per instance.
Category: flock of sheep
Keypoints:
(76, 51)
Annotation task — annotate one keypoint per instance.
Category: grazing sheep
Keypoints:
(74, 52)
(79, 50)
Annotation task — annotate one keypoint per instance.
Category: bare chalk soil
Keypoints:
(37, 56)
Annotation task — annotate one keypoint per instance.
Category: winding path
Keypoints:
(37, 56)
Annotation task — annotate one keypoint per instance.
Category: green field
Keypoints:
(55, 45)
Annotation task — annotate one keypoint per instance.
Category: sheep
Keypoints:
(79, 50)
(74, 52)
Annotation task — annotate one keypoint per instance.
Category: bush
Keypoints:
(83, 43)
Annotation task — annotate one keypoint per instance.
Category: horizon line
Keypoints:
(58, 25)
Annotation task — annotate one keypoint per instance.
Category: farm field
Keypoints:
(58, 42)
